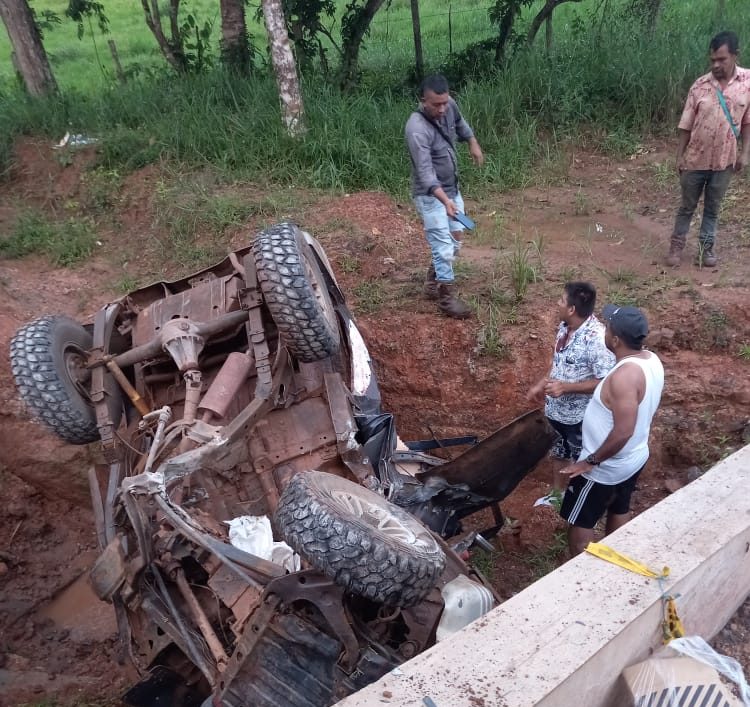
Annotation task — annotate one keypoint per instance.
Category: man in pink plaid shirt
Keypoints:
(714, 142)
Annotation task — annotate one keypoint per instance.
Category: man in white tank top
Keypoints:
(616, 426)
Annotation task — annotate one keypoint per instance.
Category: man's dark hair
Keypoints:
(582, 296)
(437, 83)
(728, 38)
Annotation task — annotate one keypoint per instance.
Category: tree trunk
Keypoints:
(542, 16)
(647, 11)
(284, 68)
(30, 57)
(171, 49)
(506, 27)
(652, 15)
(418, 56)
(235, 47)
(355, 25)
(116, 61)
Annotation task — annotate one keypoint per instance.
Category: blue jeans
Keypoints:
(439, 230)
(713, 185)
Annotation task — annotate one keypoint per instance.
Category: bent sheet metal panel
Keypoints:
(496, 465)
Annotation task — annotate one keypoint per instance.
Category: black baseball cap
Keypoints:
(629, 323)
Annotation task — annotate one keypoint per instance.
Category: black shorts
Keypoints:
(586, 501)
(568, 444)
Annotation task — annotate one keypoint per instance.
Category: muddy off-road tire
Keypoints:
(363, 542)
(296, 293)
(47, 357)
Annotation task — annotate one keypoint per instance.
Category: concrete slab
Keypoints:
(565, 640)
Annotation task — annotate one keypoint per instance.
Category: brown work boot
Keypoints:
(430, 288)
(449, 303)
(706, 257)
(676, 246)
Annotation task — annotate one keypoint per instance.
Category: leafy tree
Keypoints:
(29, 56)
(355, 24)
(284, 66)
(184, 46)
(545, 15)
(304, 19)
(78, 10)
(504, 13)
(645, 11)
(236, 48)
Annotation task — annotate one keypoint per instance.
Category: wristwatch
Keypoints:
(591, 459)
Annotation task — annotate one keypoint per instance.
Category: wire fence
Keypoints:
(450, 13)
(442, 33)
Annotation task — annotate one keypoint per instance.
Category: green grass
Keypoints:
(490, 340)
(102, 188)
(64, 243)
(464, 270)
(664, 173)
(484, 561)
(86, 63)
(349, 264)
(604, 83)
(521, 270)
(545, 560)
(622, 276)
(127, 283)
(623, 296)
(369, 296)
(744, 352)
(581, 206)
(569, 274)
(711, 449)
(197, 212)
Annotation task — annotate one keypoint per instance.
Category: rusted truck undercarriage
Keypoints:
(247, 390)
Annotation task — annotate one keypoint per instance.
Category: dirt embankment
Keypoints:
(607, 222)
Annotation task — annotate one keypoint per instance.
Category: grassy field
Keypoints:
(86, 64)
(604, 82)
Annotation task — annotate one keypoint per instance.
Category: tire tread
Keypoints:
(289, 295)
(355, 557)
(40, 385)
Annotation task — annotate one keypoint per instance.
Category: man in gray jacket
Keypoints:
(431, 136)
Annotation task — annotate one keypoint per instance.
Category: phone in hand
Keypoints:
(464, 220)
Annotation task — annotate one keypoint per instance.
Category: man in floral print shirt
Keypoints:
(715, 119)
(579, 361)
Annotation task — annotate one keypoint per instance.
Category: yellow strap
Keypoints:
(604, 552)
(671, 626)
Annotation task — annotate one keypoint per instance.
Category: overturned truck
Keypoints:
(247, 391)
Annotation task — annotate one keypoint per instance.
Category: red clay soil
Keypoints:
(606, 221)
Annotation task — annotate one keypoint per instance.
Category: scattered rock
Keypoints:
(661, 338)
(673, 485)
(16, 663)
(742, 397)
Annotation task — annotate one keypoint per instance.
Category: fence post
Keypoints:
(116, 60)
(418, 56)
(450, 30)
